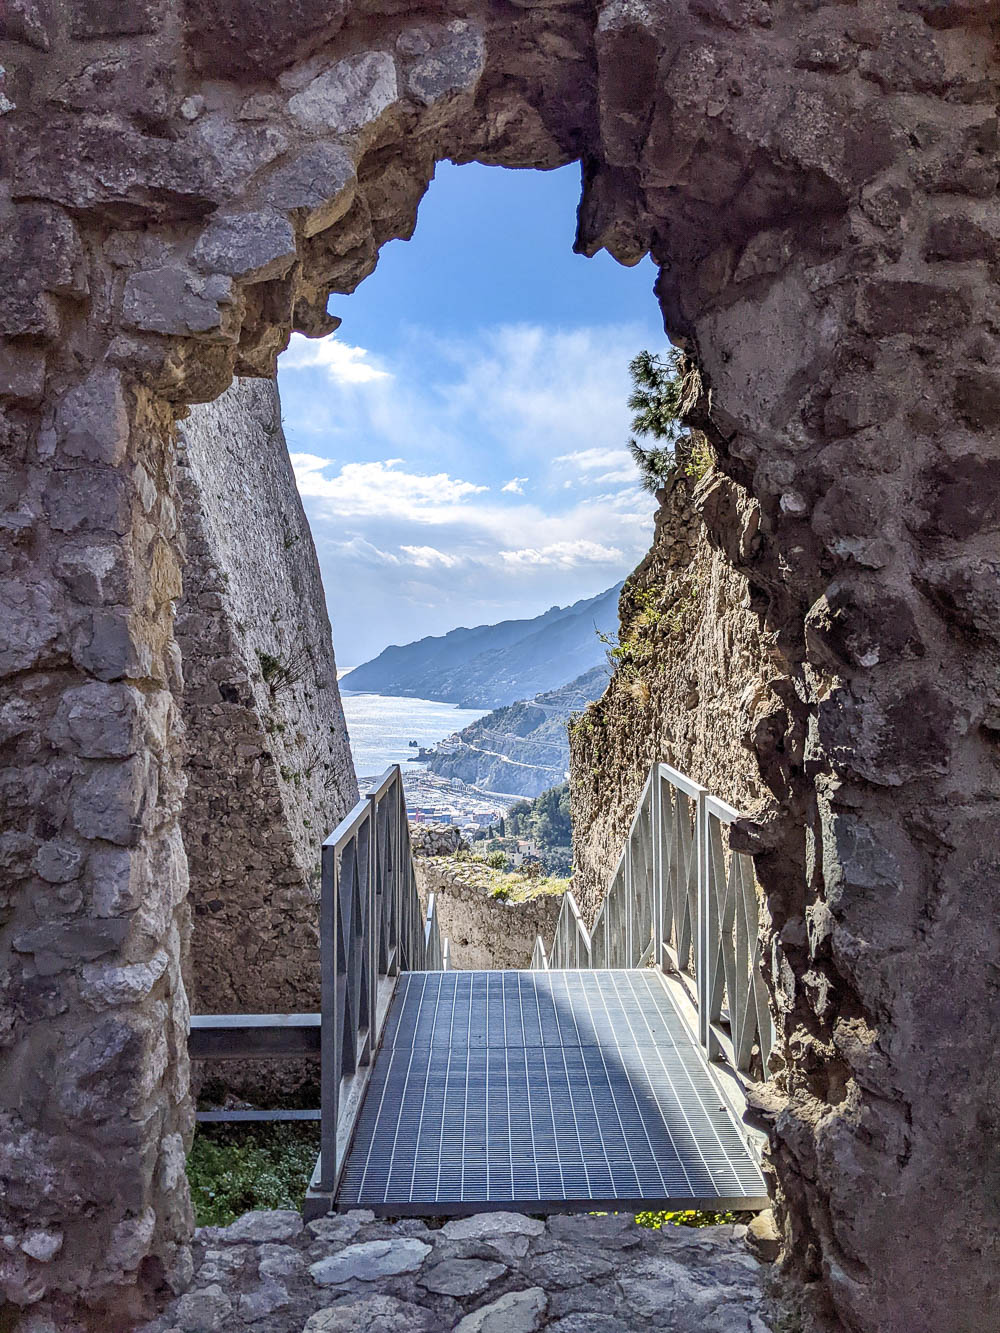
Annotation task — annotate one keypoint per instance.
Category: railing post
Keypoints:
(370, 944)
(329, 1041)
(702, 978)
(629, 913)
(656, 853)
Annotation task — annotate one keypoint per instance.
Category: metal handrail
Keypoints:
(371, 929)
(682, 899)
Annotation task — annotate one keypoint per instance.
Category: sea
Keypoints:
(381, 727)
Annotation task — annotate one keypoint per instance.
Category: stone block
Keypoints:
(319, 185)
(94, 499)
(73, 940)
(262, 1301)
(591, 1322)
(29, 624)
(108, 803)
(517, 1312)
(372, 1314)
(92, 419)
(136, 84)
(959, 238)
(891, 306)
(236, 150)
(228, 37)
(115, 883)
(977, 397)
(42, 1246)
(59, 861)
(462, 1277)
(173, 300)
(334, 1230)
(204, 1311)
(105, 647)
(98, 18)
(484, 1226)
(960, 495)
(763, 1238)
(94, 164)
(28, 21)
(99, 721)
(22, 373)
(253, 246)
(280, 1260)
(273, 1225)
(369, 1261)
(104, 987)
(349, 95)
(453, 60)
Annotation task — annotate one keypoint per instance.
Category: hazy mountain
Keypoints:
(522, 749)
(493, 665)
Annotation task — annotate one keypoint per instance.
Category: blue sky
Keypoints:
(460, 441)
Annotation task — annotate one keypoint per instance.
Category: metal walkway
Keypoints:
(543, 1090)
(612, 1075)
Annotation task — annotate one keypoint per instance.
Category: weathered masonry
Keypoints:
(184, 182)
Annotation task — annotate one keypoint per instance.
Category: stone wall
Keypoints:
(185, 181)
(483, 931)
(436, 839)
(268, 764)
(694, 684)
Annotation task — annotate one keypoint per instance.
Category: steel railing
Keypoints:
(680, 898)
(372, 928)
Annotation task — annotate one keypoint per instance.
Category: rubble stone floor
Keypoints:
(491, 1273)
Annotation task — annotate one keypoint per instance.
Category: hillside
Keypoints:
(522, 748)
(494, 665)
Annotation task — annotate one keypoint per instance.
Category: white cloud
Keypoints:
(429, 557)
(343, 363)
(380, 490)
(564, 555)
(611, 465)
(515, 486)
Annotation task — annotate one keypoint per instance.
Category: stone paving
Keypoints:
(491, 1273)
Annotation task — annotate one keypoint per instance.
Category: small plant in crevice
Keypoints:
(279, 673)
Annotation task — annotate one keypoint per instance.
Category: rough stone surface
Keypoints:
(391, 1280)
(269, 769)
(436, 840)
(694, 689)
(483, 931)
(368, 1261)
(816, 183)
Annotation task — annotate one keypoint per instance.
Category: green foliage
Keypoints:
(654, 613)
(664, 390)
(688, 1218)
(233, 1169)
(546, 822)
(497, 860)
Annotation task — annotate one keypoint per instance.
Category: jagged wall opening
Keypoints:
(184, 183)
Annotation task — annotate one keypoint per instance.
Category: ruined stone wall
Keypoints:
(693, 684)
(184, 181)
(483, 931)
(268, 764)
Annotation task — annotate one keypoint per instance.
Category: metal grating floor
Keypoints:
(544, 1090)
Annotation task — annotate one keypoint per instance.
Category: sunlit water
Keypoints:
(381, 727)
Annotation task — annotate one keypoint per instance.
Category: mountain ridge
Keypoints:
(491, 666)
(521, 749)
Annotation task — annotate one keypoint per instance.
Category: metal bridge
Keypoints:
(609, 1075)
